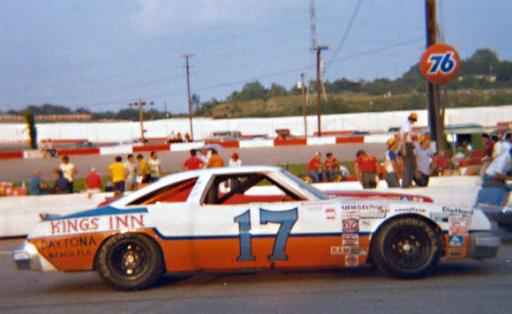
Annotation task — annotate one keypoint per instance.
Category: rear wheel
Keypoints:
(406, 247)
(130, 262)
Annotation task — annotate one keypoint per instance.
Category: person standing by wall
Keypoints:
(193, 163)
(406, 138)
(34, 186)
(118, 174)
(143, 169)
(234, 161)
(391, 165)
(69, 171)
(203, 155)
(424, 155)
(366, 168)
(155, 169)
(92, 183)
(215, 161)
(61, 185)
(131, 170)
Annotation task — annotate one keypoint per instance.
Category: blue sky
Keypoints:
(102, 54)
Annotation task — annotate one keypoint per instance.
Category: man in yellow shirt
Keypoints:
(143, 169)
(118, 174)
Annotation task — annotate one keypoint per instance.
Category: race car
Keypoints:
(251, 218)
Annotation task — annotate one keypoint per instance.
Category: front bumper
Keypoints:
(483, 245)
(28, 258)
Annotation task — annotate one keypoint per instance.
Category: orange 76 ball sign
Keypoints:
(440, 63)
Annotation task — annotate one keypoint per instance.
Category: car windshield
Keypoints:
(303, 185)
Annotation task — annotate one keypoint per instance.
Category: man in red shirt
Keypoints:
(92, 183)
(366, 168)
(193, 162)
(315, 167)
(331, 166)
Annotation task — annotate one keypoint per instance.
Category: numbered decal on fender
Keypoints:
(286, 220)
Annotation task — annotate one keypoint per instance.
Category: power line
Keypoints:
(345, 34)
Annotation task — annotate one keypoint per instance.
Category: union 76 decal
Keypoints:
(440, 63)
(285, 218)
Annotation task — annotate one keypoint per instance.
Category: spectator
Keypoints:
(215, 160)
(406, 138)
(234, 161)
(393, 175)
(440, 164)
(131, 170)
(331, 165)
(495, 190)
(503, 145)
(203, 155)
(118, 174)
(143, 169)
(92, 183)
(423, 154)
(155, 169)
(366, 168)
(193, 163)
(61, 185)
(344, 172)
(188, 138)
(488, 146)
(69, 171)
(315, 167)
(179, 138)
(34, 186)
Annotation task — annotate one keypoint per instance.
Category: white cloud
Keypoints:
(156, 17)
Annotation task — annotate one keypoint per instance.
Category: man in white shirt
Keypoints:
(155, 169)
(495, 190)
(131, 169)
(407, 147)
(69, 171)
(503, 145)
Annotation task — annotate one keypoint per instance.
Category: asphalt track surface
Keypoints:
(22, 169)
(453, 287)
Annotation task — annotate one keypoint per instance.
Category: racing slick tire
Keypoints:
(130, 262)
(406, 248)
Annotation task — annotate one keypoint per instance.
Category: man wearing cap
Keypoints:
(391, 164)
(315, 167)
(407, 148)
(495, 189)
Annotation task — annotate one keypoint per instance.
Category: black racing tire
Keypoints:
(406, 248)
(130, 262)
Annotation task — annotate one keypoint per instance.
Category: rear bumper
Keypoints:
(28, 258)
(483, 245)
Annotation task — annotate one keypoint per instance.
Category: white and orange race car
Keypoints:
(247, 218)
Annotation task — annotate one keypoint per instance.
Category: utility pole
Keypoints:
(319, 88)
(187, 56)
(140, 105)
(435, 111)
(303, 90)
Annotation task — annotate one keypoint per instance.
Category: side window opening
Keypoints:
(174, 193)
(244, 189)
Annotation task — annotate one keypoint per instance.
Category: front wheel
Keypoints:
(406, 247)
(130, 262)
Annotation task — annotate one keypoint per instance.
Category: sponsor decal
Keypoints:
(456, 241)
(457, 211)
(350, 239)
(365, 210)
(439, 217)
(350, 225)
(330, 214)
(410, 210)
(351, 260)
(336, 251)
(93, 224)
(69, 247)
(459, 224)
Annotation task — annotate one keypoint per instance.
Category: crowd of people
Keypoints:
(329, 170)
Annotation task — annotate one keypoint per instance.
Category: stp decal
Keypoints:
(440, 63)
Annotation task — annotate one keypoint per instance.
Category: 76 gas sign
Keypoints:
(440, 63)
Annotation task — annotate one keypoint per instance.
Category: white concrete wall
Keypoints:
(125, 131)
